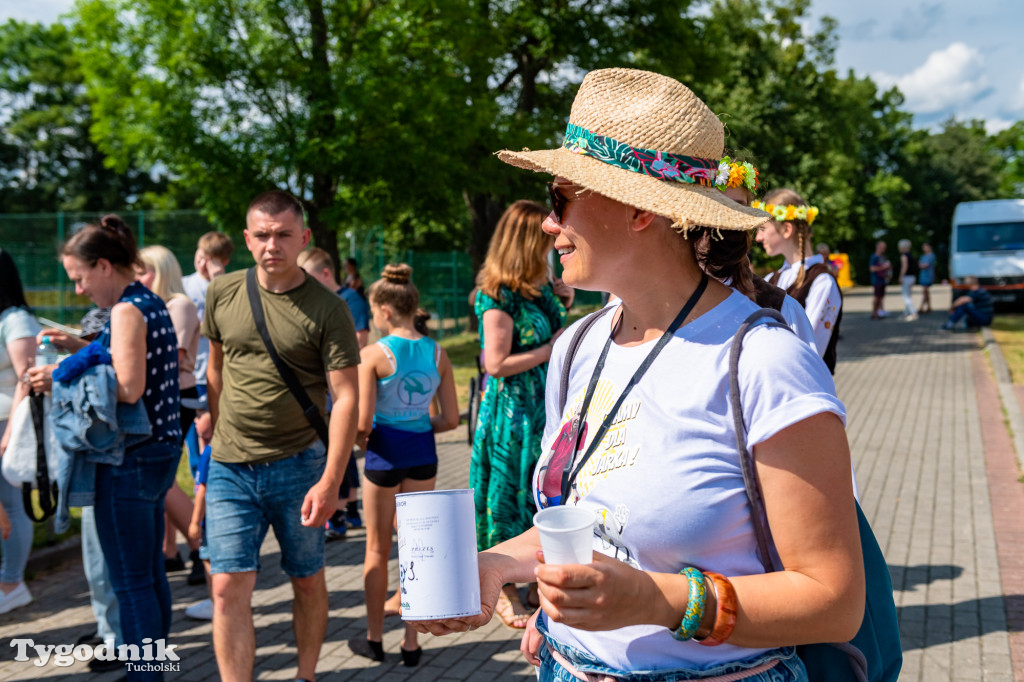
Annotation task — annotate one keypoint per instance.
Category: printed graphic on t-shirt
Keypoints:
(416, 388)
(611, 455)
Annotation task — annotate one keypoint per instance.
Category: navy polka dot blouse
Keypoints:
(162, 395)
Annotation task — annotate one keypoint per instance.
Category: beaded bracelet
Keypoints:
(694, 605)
(726, 611)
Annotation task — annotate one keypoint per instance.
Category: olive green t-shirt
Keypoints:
(259, 419)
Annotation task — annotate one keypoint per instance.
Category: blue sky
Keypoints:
(963, 59)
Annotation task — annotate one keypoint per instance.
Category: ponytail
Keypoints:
(723, 254)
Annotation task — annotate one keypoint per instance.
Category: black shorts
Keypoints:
(879, 290)
(188, 415)
(389, 478)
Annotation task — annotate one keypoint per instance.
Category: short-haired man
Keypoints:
(269, 468)
(318, 263)
(213, 253)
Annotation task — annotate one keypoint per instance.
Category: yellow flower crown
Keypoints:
(783, 212)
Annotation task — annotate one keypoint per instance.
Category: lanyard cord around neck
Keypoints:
(569, 473)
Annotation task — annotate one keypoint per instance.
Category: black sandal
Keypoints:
(367, 648)
(411, 659)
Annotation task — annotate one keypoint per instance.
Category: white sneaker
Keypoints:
(19, 596)
(201, 610)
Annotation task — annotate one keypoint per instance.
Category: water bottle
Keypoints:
(46, 353)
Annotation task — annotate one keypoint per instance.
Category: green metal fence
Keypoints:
(444, 278)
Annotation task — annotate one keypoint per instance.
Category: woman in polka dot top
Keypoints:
(129, 508)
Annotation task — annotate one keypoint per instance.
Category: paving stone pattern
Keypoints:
(914, 432)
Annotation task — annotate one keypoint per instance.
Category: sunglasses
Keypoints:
(558, 200)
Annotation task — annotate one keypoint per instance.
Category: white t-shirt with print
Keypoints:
(665, 483)
(823, 300)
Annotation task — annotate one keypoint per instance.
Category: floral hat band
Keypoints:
(661, 165)
(783, 212)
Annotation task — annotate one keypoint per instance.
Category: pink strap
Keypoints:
(594, 677)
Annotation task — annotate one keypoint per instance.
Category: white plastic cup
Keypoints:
(566, 535)
(438, 575)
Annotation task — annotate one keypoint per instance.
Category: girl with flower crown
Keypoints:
(805, 275)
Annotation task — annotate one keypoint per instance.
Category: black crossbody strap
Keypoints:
(47, 489)
(294, 385)
(569, 473)
(759, 516)
(570, 353)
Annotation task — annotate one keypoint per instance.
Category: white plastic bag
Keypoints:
(19, 461)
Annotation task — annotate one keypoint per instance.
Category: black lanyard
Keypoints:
(569, 474)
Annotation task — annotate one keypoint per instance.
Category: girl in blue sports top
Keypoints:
(398, 379)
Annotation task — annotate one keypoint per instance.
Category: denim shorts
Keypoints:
(788, 668)
(244, 500)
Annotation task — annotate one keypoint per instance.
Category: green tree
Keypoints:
(1009, 146)
(47, 160)
(371, 113)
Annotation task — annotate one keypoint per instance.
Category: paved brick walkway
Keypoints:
(915, 428)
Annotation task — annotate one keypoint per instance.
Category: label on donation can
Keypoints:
(438, 576)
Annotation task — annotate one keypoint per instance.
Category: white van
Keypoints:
(988, 243)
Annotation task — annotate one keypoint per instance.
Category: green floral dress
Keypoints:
(510, 425)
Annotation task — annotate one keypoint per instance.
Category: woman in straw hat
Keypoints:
(676, 589)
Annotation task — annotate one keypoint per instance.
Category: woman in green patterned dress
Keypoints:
(521, 311)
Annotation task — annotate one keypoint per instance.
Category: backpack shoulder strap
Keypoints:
(570, 353)
(758, 515)
(310, 410)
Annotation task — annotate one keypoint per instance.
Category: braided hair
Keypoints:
(788, 197)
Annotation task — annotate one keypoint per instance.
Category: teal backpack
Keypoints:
(875, 653)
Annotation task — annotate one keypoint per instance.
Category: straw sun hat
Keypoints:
(647, 141)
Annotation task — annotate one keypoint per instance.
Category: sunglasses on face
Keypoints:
(558, 200)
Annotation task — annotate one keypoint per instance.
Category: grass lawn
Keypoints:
(1009, 333)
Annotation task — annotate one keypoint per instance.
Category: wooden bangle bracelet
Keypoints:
(726, 611)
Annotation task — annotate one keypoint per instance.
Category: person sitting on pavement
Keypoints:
(270, 467)
(976, 306)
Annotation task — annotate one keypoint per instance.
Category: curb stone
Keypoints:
(1011, 407)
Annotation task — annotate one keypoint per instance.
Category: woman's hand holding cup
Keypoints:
(606, 594)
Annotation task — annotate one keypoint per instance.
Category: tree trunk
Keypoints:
(322, 123)
(484, 212)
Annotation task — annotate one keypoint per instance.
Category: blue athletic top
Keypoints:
(162, 395)
(403, 399)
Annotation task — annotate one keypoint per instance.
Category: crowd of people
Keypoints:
(268, 379)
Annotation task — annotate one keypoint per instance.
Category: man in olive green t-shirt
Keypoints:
(269, 468)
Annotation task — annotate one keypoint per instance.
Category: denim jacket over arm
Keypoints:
(91, 427)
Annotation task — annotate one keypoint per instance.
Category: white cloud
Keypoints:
(948, 79)
(995, 124)
(1016, 100)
